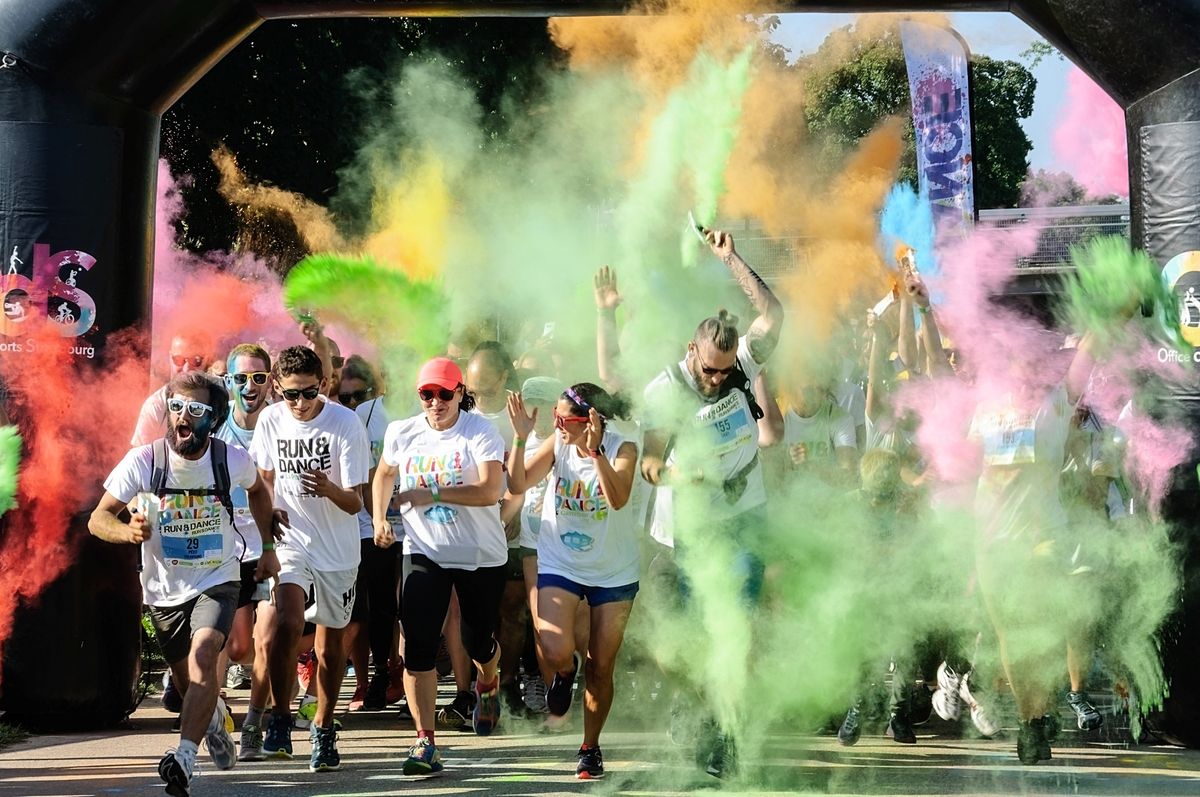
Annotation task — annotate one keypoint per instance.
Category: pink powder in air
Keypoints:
(1089, 138)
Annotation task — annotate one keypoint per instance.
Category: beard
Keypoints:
(187, 446)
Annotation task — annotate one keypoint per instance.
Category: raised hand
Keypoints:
(604, 285)
(522, 422)
(721, 242)
(593, 433)
(915, 287)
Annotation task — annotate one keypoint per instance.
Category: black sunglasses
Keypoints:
(358, 396)
(713, 371)
(293, 394)
(442, 393)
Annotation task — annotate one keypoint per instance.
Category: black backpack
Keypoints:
(220, 468)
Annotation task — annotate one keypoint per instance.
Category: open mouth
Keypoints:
(183, 432)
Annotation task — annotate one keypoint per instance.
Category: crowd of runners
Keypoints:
(495, 520)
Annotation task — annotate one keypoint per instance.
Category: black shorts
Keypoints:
(174, 625)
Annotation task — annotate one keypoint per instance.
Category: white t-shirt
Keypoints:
(709, 431)
(191, 546)
(152, 418)
(237, 437)
(531, 510)
(333, 442)
(375, 419)
(453, 536)
(582, 538)
(1023, 455)
(822, 434)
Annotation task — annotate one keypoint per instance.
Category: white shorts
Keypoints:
(330, 592)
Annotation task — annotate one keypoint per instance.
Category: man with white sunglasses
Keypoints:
(189, 560)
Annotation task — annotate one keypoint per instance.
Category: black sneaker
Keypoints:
(172, 700)
(558, 696)
(591, 764)
(457, 715)
(376, 697)
(722, 761)
(1031, 742)
(900, 728)
(325, 756)
(1086, 715)
(851, 728)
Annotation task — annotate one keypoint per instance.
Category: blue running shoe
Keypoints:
(486, 714)
(325, 756)
(278, 743)
(423, 758)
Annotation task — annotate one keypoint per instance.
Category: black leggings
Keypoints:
(425, 597)
(375, 599)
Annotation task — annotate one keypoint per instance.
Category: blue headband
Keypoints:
(578, 399)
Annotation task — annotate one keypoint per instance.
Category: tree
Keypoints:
(291, 99)
(854, 82)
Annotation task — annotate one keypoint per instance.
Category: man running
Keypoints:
(189, 569)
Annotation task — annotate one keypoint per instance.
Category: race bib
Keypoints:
(190, 528)
(729, 423)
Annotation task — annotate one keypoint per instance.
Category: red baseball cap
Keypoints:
(440, 372)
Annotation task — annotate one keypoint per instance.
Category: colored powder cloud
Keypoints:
(1089, 138)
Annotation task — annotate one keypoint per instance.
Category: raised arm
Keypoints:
(763, 334)
(608, 298)
(936, 363)
(521, 474)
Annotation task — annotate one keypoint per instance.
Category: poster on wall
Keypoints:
(59, 205)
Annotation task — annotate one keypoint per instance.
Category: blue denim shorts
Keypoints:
(595, 596)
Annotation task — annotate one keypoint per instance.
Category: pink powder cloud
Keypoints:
(1089, 138)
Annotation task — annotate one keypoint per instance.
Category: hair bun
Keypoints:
(727, 317)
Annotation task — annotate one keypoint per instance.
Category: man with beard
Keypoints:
(247, 378)
(701, 447)
(316, 457)
(189, 570)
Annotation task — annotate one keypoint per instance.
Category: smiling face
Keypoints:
(301, 393)
(187, 434)
(440, 412)
(249, 397)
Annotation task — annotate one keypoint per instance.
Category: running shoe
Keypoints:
(250, 748)
(325, 756)
(558, 697)
(1031, 742)
(851, 727)
(947, 698)
(722, 761)
(172, 700)
(459, 713)
(358, 698)
(981, 716)
(237, 677)
(423, 758)
(486, 714)
(1051, 728)
(591, 763)
(395, 687)
(176, 773)
(305, 714)
(900, 728)
(376, 697)
(1086, 715)
(278, 743)
(535, 695)
(219, 737)
(306, 668)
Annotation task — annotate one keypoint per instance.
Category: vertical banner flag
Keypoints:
(936, 59)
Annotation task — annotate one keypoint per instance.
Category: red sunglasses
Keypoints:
(561, 421)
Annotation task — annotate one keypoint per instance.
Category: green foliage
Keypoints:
(11, 734)
(853, 84)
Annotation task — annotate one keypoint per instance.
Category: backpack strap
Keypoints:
(221, 481)
(158, 476)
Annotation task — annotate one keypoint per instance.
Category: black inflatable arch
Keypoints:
(83, 84)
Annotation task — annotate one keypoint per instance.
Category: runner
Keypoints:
(587, 547)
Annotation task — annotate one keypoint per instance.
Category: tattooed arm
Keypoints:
(763, 334)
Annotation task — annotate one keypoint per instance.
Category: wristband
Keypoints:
(436, 492)
(923, 310)
(595, 453)
(268, 546)
(518, 442)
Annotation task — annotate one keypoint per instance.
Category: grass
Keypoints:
(11, 734)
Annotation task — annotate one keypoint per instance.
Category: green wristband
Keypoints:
(518, 442)
(268, 546)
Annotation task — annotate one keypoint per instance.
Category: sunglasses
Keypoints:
(357, 397)
(258, 377)
(562, 421)
(427, 395)
(708, 371)
(197, 360)
(294, 394)
(194, 408)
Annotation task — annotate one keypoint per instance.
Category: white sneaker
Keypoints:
(947, 701)
(238, 676)
(305, 714)
(219, 737)
(984, 722)
(177, 772)
(535, 695)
